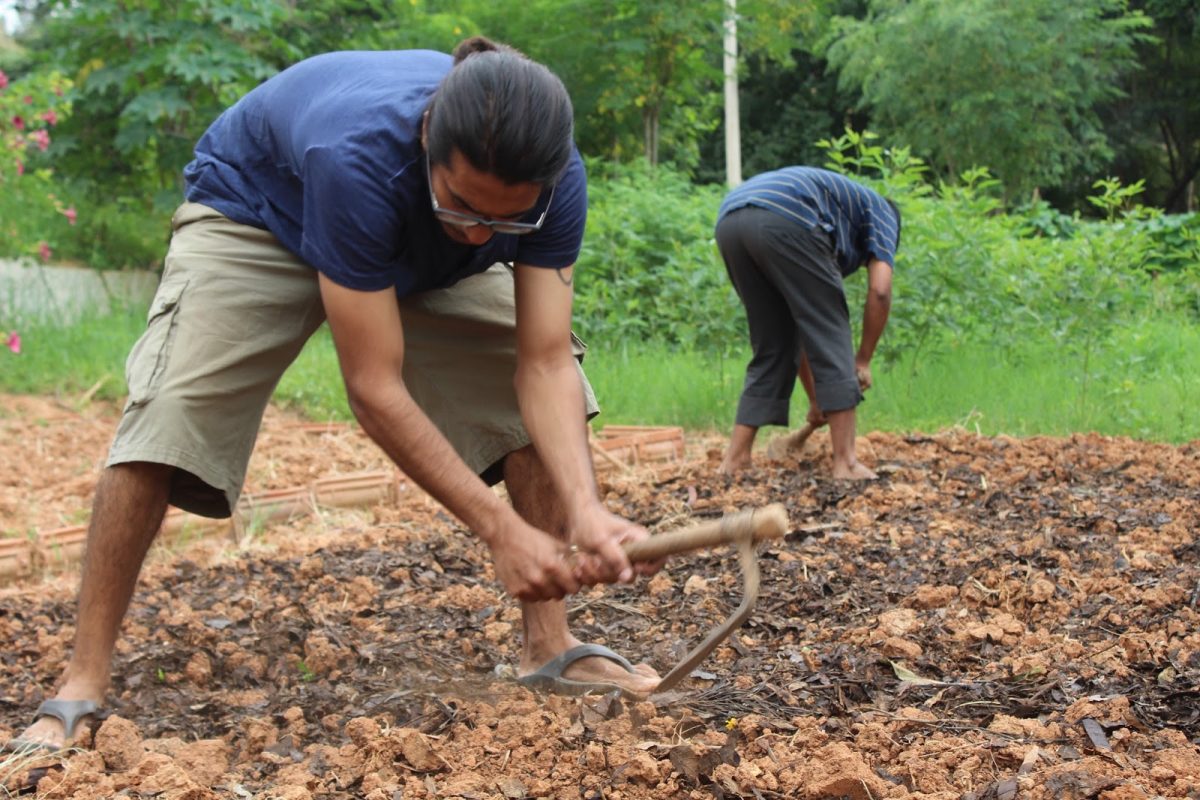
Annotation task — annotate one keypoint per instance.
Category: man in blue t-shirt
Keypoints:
(430, 208)
(789, 238)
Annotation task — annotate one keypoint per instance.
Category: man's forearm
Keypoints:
(876, 309)
(369, 338)
(875, 316)
(420, 450)
(552, 407)
(806, 379)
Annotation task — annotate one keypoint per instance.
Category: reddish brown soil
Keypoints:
(994, 618)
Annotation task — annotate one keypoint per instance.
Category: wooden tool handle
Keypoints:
(794, 442)
(768, 522)
(801, 436)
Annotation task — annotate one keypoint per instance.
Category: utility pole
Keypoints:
(733, 127)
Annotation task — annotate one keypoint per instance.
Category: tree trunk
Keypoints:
(1181, 198)
(733, 125)
(650, 115)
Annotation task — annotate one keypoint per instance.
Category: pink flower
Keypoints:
(41, 138)
(28, 99)
(18, 122)
(14, 338)
(20, 167)
(44, 251)
(50, 117)
(3, 80)
(70, 214)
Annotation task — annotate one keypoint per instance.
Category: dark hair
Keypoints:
(508, 115)
(896, 211)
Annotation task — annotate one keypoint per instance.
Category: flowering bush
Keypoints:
(30, 208)
(31, 211)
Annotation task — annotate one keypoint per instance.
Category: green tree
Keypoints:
(149, 77)
(788, 95)
(786, 108)
(1012, 86)
(319, 26)
(1155, 126)
(32, 213)
(645, 75)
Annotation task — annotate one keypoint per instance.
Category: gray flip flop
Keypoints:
(68, 712)
(549, 677)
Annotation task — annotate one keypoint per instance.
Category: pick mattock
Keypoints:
(745, 528)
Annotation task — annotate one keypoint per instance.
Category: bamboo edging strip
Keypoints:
(63, 547)
(615, 447)
(627, 446)
(16, 557)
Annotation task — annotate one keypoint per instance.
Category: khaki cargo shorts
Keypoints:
(234, 309)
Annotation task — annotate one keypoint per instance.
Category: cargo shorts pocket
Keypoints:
(147, 360)
(578, 347)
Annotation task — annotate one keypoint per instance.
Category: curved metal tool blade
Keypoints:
(751, 578)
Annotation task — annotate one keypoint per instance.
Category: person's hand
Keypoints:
(598, 536)
(862, 369)
(531, 564)
(816, 417)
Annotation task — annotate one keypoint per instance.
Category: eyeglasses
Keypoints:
(461, 220)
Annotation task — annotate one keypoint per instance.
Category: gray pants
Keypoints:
(788, 279)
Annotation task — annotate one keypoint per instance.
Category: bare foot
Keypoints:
(853, 472)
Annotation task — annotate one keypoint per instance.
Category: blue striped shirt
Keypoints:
(864, 225)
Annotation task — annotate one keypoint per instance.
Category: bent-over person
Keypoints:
(789, 238)
(430, 208)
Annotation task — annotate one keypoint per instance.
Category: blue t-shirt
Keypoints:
(863, 224)
(327, 156)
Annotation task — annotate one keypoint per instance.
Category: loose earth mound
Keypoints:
(994, 618)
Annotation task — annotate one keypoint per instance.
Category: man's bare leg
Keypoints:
(741, 446)
(546, 633)
(842, 431)
(130, 502)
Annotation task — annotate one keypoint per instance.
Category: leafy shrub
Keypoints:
(1174, 242)
(1042, 219)
(966, 272)
(117, 234)
(33, 213)
(649, 269)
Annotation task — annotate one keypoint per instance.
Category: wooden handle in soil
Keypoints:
(768, 522)
(798, 438)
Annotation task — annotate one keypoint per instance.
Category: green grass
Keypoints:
(313, 384)
(85, 358)
(1138, 384)
(656, 385)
